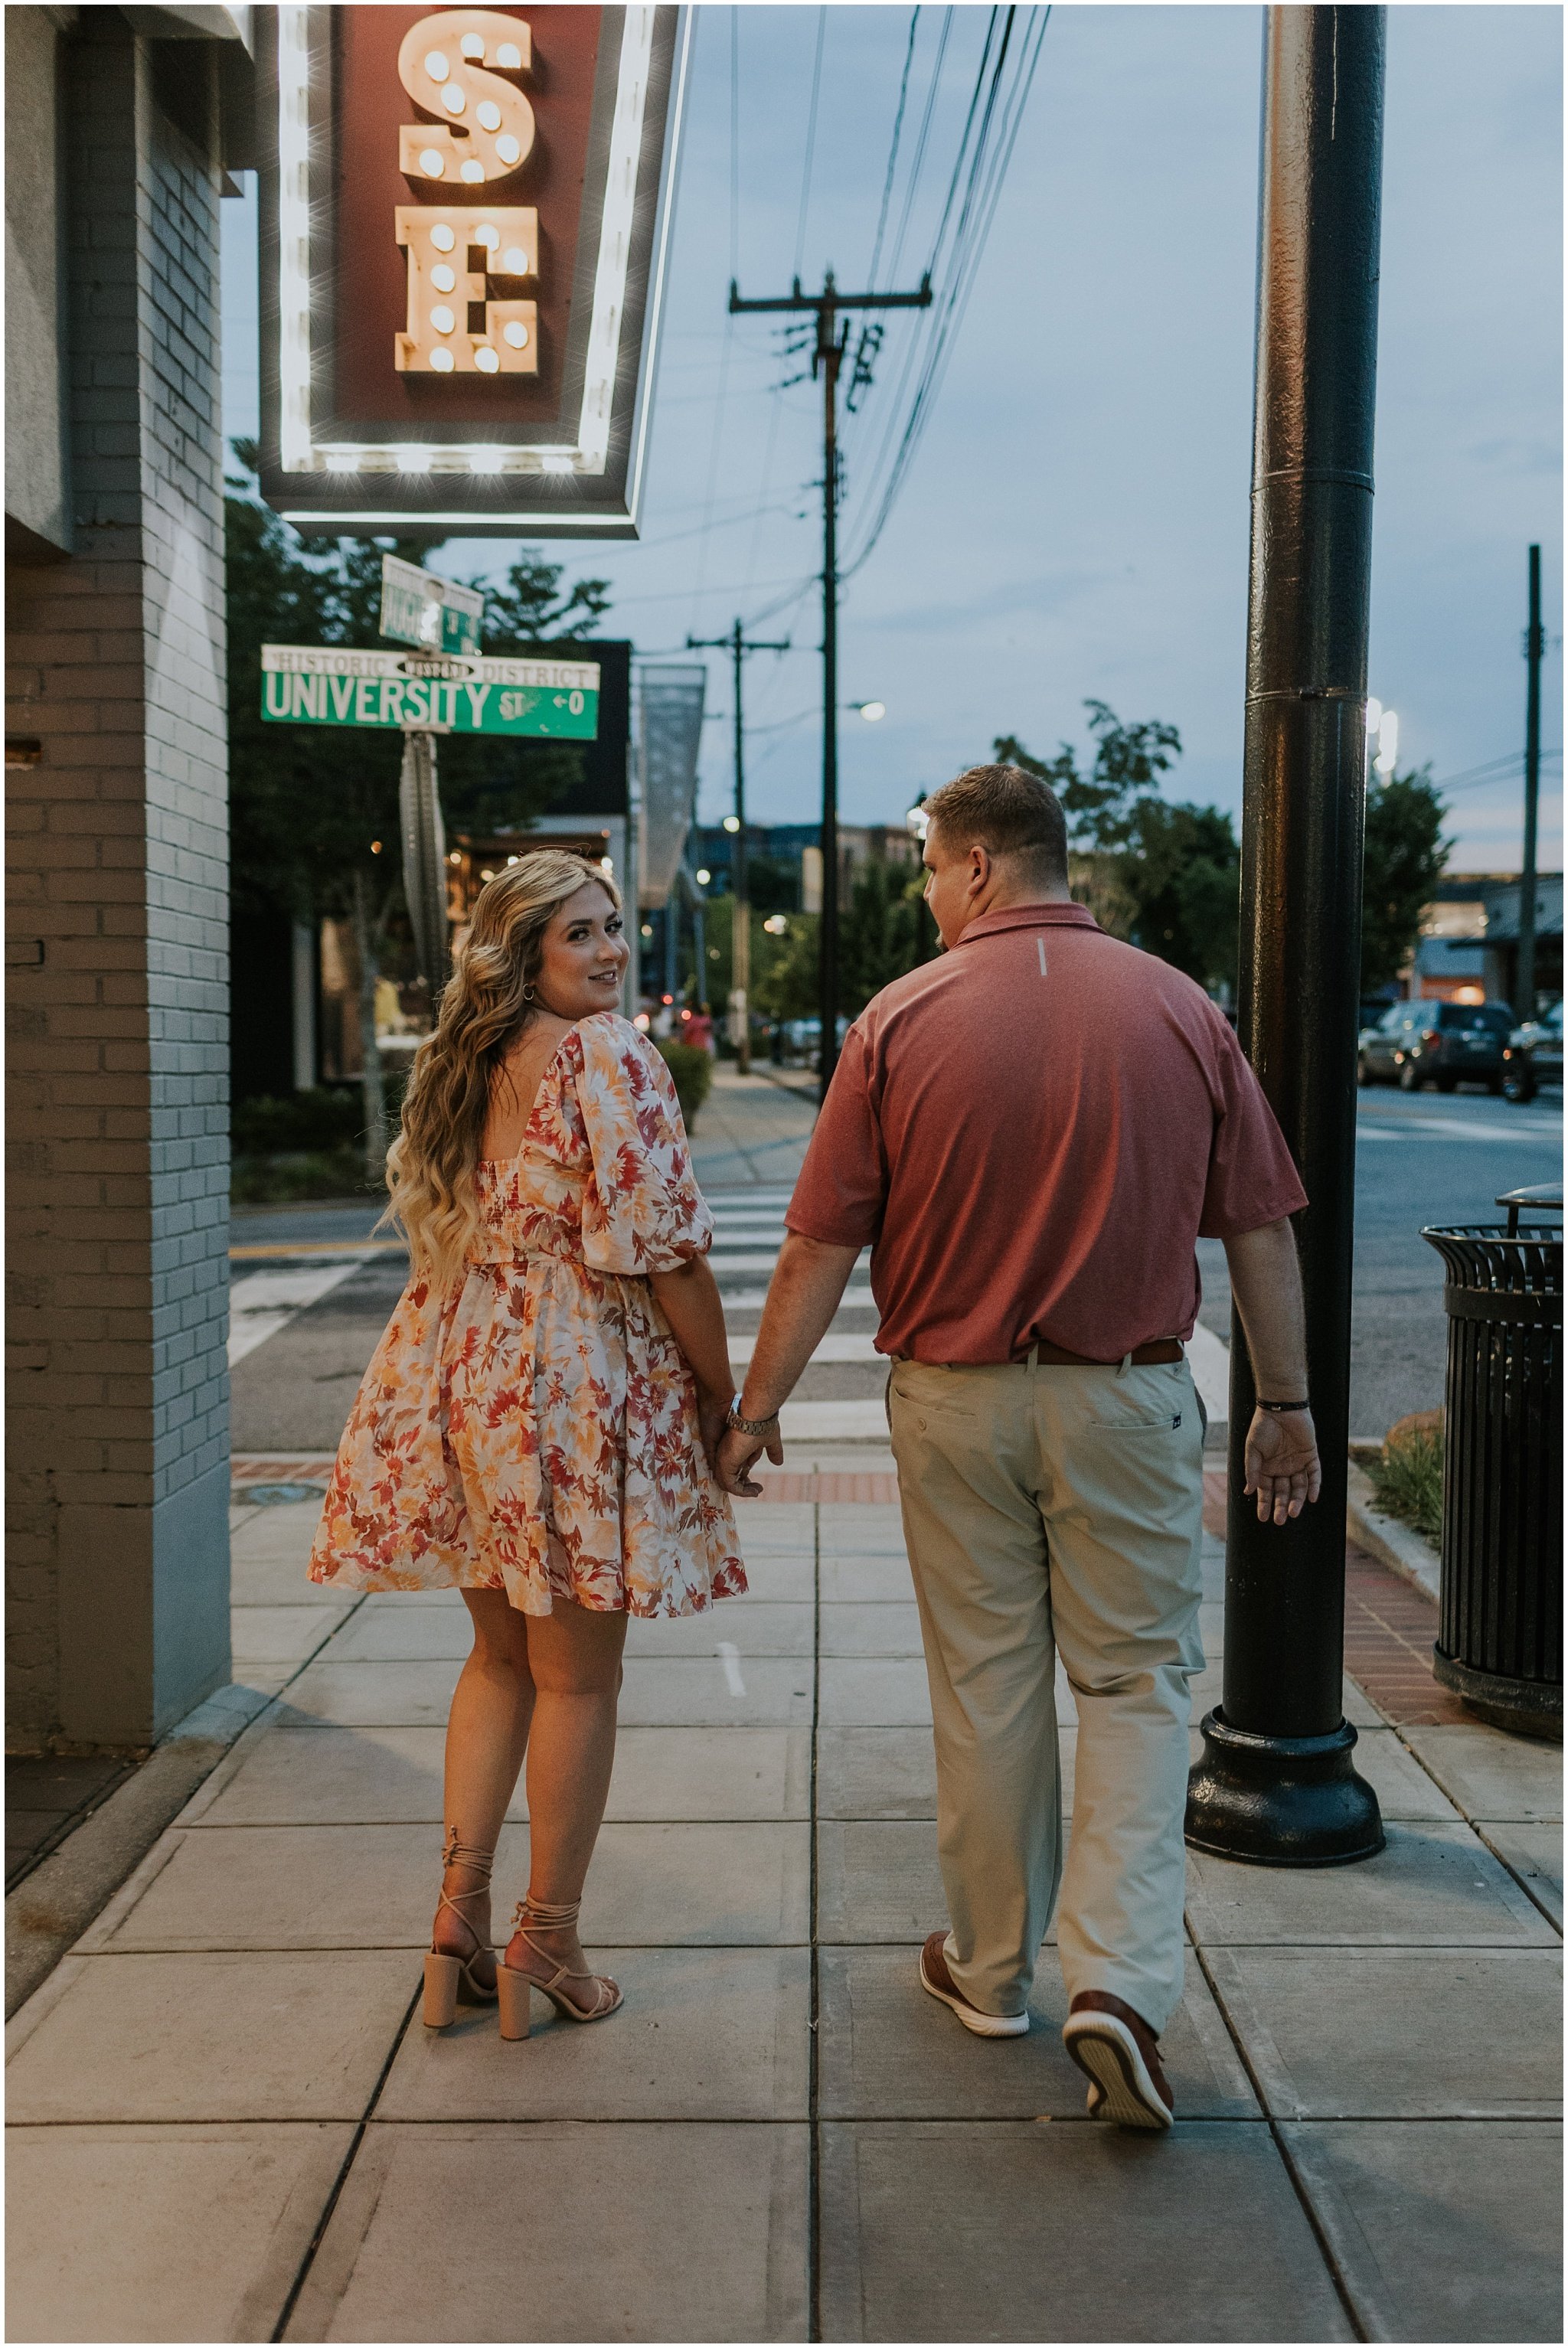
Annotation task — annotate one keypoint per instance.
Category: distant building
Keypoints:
(794, 847)
(1468, 947)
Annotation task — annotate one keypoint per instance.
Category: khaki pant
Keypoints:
(1051, 1507)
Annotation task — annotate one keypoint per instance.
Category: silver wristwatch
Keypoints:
(740, 1426)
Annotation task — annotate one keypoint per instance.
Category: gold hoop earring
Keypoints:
(527, 995)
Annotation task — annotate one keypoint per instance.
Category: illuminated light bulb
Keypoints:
(455, 855)
(607, 864)
(442, 360)
(487, 873)
(1374, 713)
(704, 877)
(557, 464)
(871, 710)
(436, 66)
(442, 319)
(516, 333)
(488, 115)
(342, 460)
(485, 359)
(647, 932)
(732, 823)
(472, 45)
(432, 162)
(454, 97)
(442, 237)
(473, 172)
(443, 279)
(514, 860)
(488, 234)
(486, 461)
(508, 53)
(413, 460)
(508, 149)
(514, 260)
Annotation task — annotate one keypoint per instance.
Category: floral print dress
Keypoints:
(533, 1427)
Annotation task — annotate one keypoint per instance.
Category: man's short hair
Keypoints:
(1005, 812)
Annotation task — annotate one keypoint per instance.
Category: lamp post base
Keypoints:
(1280, 1801)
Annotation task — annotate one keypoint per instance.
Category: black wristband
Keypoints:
(1282, 1405)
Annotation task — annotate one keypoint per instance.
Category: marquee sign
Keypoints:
(465, 223)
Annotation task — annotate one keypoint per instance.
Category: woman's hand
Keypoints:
(712, 1410)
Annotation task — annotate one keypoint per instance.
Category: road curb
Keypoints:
(1397, 1546)
(48, 1913)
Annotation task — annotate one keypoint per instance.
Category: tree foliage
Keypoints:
(1404, 856)
(882, 933)
(1161, 873)
(308, 802)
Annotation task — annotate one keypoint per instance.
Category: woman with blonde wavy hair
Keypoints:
(537, 1423)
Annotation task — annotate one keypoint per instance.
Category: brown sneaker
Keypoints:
(937, 1981)
(1120, 2055)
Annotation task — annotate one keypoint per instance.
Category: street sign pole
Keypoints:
(424, 858)
(1276, 1783)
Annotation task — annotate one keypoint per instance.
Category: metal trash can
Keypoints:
(1500, 1642)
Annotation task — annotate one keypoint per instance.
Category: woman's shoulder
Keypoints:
(609, 1041)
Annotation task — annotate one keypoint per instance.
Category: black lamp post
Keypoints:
(1276, 1783)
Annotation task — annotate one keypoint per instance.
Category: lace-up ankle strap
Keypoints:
(549, 1918)
(454, 1852)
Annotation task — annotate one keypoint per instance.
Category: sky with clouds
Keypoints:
(1075, 522)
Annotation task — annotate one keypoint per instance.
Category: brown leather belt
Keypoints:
(1159, 1349)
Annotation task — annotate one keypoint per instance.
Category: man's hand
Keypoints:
(733, 1462)
(1283, 1466)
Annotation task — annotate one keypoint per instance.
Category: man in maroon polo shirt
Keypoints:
(1031, 1133)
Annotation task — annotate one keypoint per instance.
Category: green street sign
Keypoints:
(421, 607)
(427, 693)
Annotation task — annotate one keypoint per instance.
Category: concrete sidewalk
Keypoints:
(228, 2123)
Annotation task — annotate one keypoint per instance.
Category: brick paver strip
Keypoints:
(1389, 1626)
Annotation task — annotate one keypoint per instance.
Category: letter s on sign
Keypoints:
(453, 63)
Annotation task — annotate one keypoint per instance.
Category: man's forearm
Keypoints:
(802, 1298)
(1265, 1281)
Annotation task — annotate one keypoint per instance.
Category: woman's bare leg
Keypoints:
(487, 1736)
(575, 1660)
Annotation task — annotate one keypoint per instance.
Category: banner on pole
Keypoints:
(327, 685)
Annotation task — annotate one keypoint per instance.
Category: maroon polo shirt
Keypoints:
(1031, 1133)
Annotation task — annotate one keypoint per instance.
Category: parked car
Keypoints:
(1533, 1056)
(1441, 1043)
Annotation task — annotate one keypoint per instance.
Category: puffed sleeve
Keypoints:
(642, 1210)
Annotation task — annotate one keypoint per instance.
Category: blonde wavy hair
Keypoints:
(485, 1005)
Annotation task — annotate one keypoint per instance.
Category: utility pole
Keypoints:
(737, 647)
(1534, 645)
(827, 356)
(1277, 1782)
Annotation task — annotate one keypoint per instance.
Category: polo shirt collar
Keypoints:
(1030, 917)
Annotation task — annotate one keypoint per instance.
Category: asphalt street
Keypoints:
(1420, 1159)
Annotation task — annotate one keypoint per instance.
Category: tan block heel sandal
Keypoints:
(513, 1984)
(451, 1980)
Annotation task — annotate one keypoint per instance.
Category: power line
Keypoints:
(811, 140)
(892, 150)
(987, 174)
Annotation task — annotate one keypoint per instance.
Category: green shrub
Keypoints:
(692, 1070)
(1408, 1479)
(263, 1180)
(325, 1119)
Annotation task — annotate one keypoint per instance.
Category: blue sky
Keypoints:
(1074, 522)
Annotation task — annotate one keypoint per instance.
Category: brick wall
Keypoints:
(117, 1119)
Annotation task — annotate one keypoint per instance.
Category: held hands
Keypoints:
(736, 1455)
(1282, 1466)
